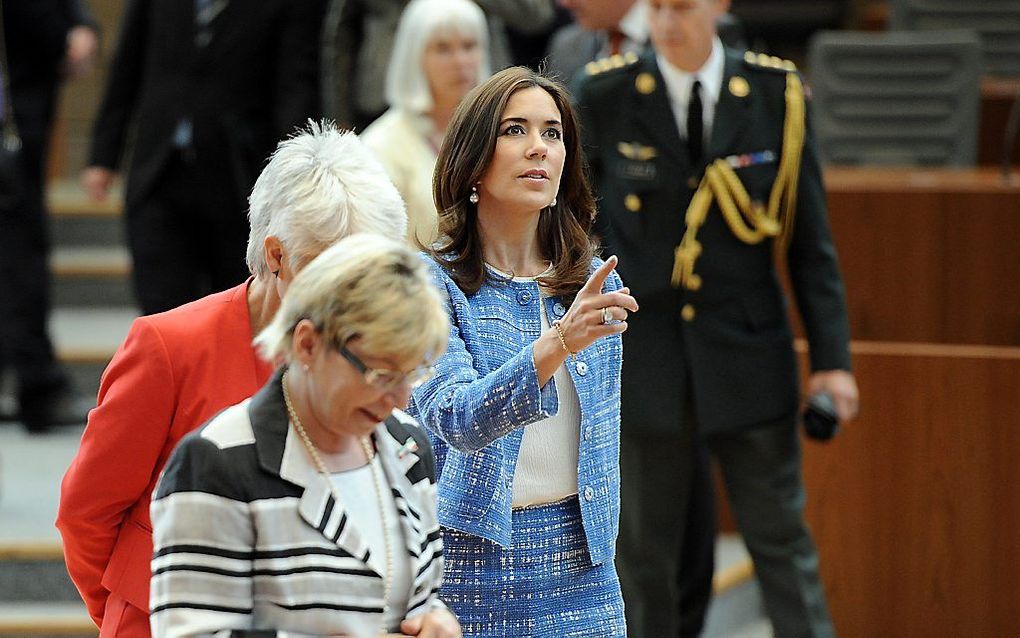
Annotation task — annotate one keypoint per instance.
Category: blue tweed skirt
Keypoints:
(544, 585)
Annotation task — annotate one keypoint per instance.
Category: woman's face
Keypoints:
(341, 399)
(527, 163)
(450, 64)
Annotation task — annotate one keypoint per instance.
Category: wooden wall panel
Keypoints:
(928, 256)
(916, 506)
(997, 97)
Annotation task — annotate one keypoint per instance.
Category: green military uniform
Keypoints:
(711, 349)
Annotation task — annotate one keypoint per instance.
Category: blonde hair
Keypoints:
(320, 185)
(369, 287)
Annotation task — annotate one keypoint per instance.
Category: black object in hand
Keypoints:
(820, 420)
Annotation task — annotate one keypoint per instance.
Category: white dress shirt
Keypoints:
(679, 83)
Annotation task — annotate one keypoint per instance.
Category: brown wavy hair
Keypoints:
(564, 229)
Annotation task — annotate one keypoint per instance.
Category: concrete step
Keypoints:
(91, 276)
(85, 339)
(66, 197)
(87, 229)
(34, 573)
(31, 468)
(75, 220)
(45, 620)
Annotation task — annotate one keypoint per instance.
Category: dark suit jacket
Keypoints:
(253, 82)
(35, 32)
(570, 49)
(734, 349)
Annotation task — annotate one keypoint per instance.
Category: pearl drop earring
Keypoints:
(473, 198)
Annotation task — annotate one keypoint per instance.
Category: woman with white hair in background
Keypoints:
(178, 368)
(440, 54)
(311, 508)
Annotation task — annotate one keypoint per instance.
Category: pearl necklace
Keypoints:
(376, 471)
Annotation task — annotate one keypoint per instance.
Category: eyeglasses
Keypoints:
(387, 380)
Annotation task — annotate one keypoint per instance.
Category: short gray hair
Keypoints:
(320, 185)
(369, 287)
(407, 87)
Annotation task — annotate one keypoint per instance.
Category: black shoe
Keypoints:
(62, 409)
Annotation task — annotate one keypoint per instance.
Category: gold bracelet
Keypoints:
(563, 341)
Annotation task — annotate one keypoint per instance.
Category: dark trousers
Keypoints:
(762, 471)
(188, 235)
(24, 260)
(666, 547)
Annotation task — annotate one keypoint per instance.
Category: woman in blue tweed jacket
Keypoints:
(524, 408)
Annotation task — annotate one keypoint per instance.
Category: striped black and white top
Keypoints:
(249, 538)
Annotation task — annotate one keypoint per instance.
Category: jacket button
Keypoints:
(558, 309)
(582, 368)
(632, 203)
(589, 493)
(524, 297)
(587, 433)
(687, 312)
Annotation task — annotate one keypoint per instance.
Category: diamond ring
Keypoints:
(607, 316)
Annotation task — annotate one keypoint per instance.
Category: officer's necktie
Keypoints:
(695, 124)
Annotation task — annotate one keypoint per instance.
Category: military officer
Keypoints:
(707, 172)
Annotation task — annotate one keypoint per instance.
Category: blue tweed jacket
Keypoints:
(486, 390)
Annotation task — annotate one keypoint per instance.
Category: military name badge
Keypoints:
(638, 164)
(750, 159)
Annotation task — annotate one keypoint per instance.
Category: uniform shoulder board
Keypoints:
(617, 61)
(769, 62)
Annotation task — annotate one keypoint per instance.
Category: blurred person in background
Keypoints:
(310, 509)
(601, 29)
(441, 53)
(358, 37)
(604, 28)
(524, 407)
(205, 88)
(45, 42)
(529, 48)
(177, 369)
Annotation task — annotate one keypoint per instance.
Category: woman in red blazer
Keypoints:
(177, 369)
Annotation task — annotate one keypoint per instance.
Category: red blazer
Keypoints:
(174, 371)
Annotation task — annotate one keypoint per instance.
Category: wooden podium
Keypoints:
(915, 506)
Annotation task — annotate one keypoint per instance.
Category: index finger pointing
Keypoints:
(594, 283)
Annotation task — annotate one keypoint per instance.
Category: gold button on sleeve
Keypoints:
(632, 202)
(687, 312)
